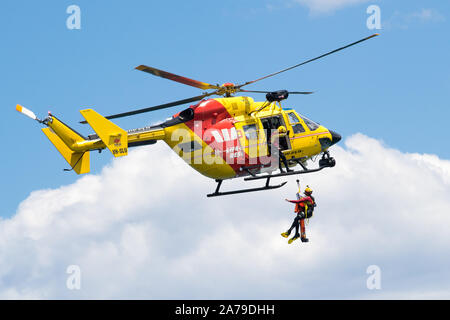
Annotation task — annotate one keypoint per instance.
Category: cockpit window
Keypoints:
(293, 118)
(311, 124)
(294, 121)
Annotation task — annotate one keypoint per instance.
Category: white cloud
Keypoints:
(426, 15)
(143, 228)
(322, 6)
(400, 20)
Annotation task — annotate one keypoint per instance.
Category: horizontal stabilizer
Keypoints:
(79, 161)
(114, 137)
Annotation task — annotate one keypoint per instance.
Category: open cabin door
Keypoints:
(272, 123)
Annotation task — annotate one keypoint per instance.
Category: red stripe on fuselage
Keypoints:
(214, 125)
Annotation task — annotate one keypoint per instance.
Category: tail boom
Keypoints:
(75, 148)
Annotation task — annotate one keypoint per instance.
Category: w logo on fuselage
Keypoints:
(224, 135)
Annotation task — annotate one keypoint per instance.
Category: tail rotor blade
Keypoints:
(25, 111)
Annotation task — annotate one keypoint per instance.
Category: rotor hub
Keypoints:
(227, 89)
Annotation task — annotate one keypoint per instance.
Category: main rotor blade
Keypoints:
(290, 92)
(301, 92)
(308, 61)
(161, 106)
(174, 77)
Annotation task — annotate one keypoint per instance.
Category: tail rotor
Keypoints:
(30, 114)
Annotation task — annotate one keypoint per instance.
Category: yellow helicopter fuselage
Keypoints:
(220, 138)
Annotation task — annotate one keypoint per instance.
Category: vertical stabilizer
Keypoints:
(79, 161)
(114, 137)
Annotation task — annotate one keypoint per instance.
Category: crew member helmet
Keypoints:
(281, 129)
(308, 190)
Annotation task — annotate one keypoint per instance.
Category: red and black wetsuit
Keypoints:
(302, 206)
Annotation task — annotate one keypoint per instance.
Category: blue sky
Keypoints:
(395, 87)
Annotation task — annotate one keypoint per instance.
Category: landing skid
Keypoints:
(266, 187)
(283, 174)
(325, 162)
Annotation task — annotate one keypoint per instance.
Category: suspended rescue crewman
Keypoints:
(277, 152)
(304, 208)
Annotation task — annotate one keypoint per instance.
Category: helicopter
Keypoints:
(221, 138)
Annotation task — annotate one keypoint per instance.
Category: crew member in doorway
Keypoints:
(277, 152)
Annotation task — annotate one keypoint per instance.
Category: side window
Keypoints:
(297, 127)
(250, 132)
(190, 146)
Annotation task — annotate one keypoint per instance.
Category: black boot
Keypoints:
(284, 160)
